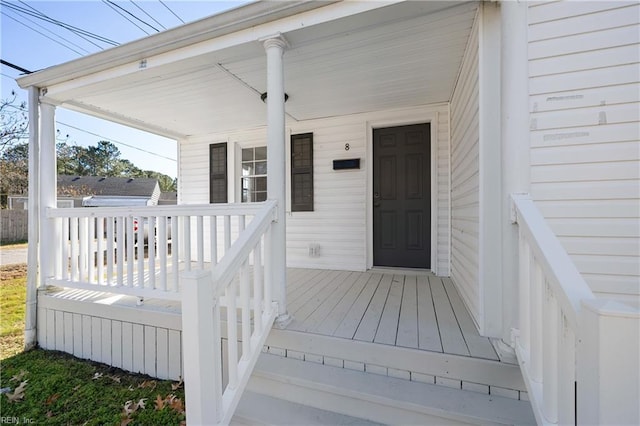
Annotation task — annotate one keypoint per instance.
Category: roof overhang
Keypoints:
(207, 77)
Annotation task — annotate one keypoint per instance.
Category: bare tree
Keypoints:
(15, 122)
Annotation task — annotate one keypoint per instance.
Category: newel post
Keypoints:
(200, 341)
(276, 160)
(608, 356)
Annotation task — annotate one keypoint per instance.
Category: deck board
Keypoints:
(408, 324)
(388, 327)
(479, 347)
(369, 324)
(325, 308)
(428, 332)
(450, 333)
(352, 319)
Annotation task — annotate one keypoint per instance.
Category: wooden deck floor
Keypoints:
(419, 311)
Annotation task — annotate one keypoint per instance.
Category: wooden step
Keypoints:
(379, 398)
(257, 409)
(466, 372)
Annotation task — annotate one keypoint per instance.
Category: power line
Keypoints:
(56, 35)
(78, 31)
(116, 141)
(15, 67)
(145, 12)
(133, 15)
(169, 9)
(41, 33)
(111, 5)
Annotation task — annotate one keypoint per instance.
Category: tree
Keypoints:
(15, 122)
(14, 170)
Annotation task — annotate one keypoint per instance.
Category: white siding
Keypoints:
(584, 82)
(339, 220)
(465, 181)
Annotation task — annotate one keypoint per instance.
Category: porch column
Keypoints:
(31, 309)
(276, 160)
(49, 238)
(515, 146)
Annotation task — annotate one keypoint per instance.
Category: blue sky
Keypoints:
(34, 44)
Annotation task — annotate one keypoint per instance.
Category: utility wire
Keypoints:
(145, 12)
(133, 15)
(42, 34)
(15, 67)
(78, 31)
(53, 33)
(169, 9)
(112, 6)
(116, 141)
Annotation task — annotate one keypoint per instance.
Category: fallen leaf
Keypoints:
(177, 405)
(176, 386)
(49, 414)
(18, 377)
(131, 388)
(53, 398)
(22, 387)
(129, 408)
(126, 421)
(18, 393)
(115, 378)
(141, 404)
(148, 384)
(97, 376)
(159, 401)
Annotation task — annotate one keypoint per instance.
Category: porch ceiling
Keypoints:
(399, 55)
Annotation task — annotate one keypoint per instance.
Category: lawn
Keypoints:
(51, 387)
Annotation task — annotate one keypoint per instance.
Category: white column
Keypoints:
(49, 237)
(515, 145)
(30, 338)
(276, 160)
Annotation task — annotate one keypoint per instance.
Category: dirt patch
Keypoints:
(9, 272)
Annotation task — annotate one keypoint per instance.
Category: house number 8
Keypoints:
(346, 147)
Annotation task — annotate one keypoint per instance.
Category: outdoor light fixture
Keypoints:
(264, 97)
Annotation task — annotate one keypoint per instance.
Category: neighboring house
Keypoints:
(168, 198)
(453, 185)
(98, 191)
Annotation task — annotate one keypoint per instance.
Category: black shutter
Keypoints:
(218, 173)
(302, 172)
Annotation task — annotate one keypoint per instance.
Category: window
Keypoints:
(254, 174)
(302, 172)
(218, 173)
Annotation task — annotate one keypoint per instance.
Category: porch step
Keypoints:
(255, 409)
(379, 398)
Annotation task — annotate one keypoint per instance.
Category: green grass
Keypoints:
(12, 307)
(62, 390)
(14, 244)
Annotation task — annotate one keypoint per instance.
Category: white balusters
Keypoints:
(162, 242)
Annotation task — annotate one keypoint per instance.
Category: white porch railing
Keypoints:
(140, 251)
(562, 345)
(104, 250)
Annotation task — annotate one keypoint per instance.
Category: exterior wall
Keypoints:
(584, 82)
(340, 220)
(465, 180)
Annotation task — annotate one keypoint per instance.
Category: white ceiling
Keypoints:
(396, 56)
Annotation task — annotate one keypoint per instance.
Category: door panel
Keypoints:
(402, 196)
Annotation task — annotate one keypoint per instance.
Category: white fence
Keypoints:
(573, 376)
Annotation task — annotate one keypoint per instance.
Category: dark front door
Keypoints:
(402, 196)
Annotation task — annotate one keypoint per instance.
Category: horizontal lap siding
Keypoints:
(585, 135)
(465, 220)
(338, 223)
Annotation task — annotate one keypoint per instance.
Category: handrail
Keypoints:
(554, 259)
(224, 271)
(176, 210)
(551, 292)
